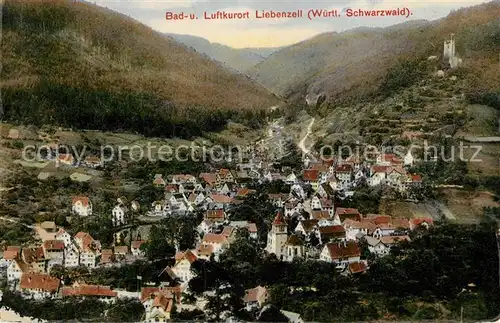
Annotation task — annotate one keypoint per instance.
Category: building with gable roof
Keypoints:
(277, 236)
(341, 254)
(39, 286)
(82, 206)
(182, 266)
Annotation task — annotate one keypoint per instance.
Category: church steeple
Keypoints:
(279, 224)
(277, 236)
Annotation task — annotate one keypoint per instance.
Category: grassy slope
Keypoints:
(348, 64)
(72, 57)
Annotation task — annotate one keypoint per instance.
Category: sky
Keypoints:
(272, 32)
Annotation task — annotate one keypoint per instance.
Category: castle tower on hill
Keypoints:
(449, 52)
(277, 236)
(449, 48)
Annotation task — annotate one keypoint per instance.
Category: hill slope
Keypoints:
(339, 66)
(80, 65)
(238, 59)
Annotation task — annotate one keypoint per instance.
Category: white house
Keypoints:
(135, 247)
(39, 286)
(344, 175)
(294, 248)
(82, 206)
(341, 254)
(182, 266)
(316, 203)
(408, 159)
(255, 297)
(378, 175)
(9, 255)
(118, 215)
(218, 241)
(157, 307)
(291, 179)
(376, 246)
(293, 207)
(15, 270)
(64, 236)
(71, 256)
(89, 249)
(298, 190)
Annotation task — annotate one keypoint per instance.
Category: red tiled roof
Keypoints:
(378, 219)
(82, 199)
(159, 181)
(40, 282)
(342, 210)
(254, 294)
(388, 240)
(311, 175)
(227, 231)
(244, 192)
(189, 256)
(347, 213)
(278, 220)
(344, 168)
(380, 169)
(218, 198)
(391, 158)
(332, 229)
(308, 225)
(416, 178)
(11, 252)
(214, 215)
(214, 238)
(205, 250)
(320, 167)
(171, 188)
(147, 291)
(163, 301)
(252, 227)
(419, 221)
(89, 290)
(87, 241)
(318, 215)
(136, 244)
(357, 267)
(33, 254)
(53, 244)
(339, 250)
(326, 203)
(209, 178)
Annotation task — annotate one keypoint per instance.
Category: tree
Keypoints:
(125, 310)
(157, 246)
(271, 313)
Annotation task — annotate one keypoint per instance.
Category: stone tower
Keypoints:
(449, 48)
(277, 237)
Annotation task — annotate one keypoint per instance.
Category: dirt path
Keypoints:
(302, 143)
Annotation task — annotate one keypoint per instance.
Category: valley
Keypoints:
(149, 176)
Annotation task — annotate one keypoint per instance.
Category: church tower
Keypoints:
(277, 237)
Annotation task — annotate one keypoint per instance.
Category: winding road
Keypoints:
(302, 143)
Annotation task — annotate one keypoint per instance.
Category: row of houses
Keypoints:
(58, 247)
(338, 236)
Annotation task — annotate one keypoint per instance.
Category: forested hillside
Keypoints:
(79, 65)
(342, 67)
